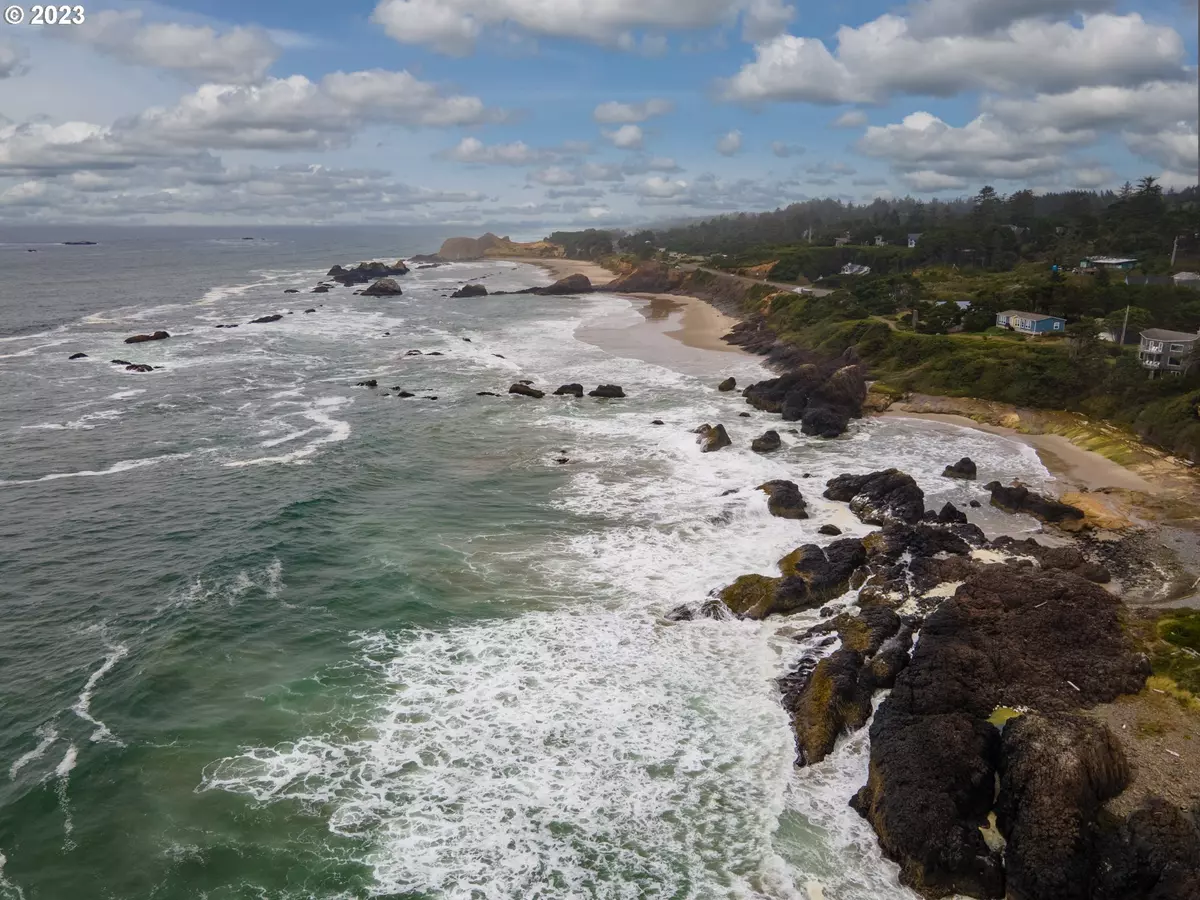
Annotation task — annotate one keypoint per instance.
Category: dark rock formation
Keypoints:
(320, 289)
(822, 399)
(743, 415)
(291, 291)
(964, 468)
(570, 390)
(526, 391)
(78, 356)
(830, 530)
(367, 272)
(712, 608)
(1019, 499)
(121, 362)
(1152, 855)
(975, 504)
(413, 353)
(951, 514)
(431, 259)
(1066, 559)
(470, 290)
(138, 367)
(784, 499)
(879, 498)
(384, 287)
(658, 422)
(768, 443)
(713, 438)
(610, 391)
(1008, 638)
(262, 320)
(370, 383)
(487, 394)
(828, 571)
(727, 385)
(824, 422)
(1055, 774)
(143, 338)
(758, 596)
(572, 284)
(405, 395)
(310, 310)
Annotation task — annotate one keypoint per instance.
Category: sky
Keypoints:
(544, 114)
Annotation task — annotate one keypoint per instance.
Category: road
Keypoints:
(746, 279)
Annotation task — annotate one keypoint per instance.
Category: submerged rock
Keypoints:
(263, 320)
(470, 290)
(727, 385)
(143, 338)
(570, 390)
(78, 356)
(139, 367)
(1019, 499)
(526, 391)
(611, 391)
(964, 468)
(384, 287)
(369, 383)
(768, 443)
(830, 530)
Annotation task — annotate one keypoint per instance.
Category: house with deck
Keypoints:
(1094, 263)
(1173, 352)
(1030, 323)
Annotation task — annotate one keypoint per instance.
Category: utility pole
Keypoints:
(1125, 326)
(1174, 250)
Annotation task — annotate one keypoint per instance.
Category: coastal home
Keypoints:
(855, 269)
(1030, 323)
(913, 239)
(1188, 280)
(879, 241)
(1092, 263)
(1168, 351)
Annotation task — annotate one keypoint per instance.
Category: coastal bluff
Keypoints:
(489, 246)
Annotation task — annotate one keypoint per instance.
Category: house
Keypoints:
(855, 269)
(841, 242)
(964, 305)
(1168, 351)
(912, 240)
(1092, 263)
(1030, 323)
(879, 241)
(1188, 280)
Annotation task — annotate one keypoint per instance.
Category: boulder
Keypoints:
(880, 497)
(975, 504)
(291, 291)
(370, 383)
(470, 290)
(121, 362)
(951, 514)
(658, 422)
(310, 310)
(262, 320)
(784, 499)
(830, 530)
(1056, 772)
(1019, 499)
(320, 289)
(827, 571)
(757, 596)
(572, 284)
(768, 443)
(964, 469)
(1152, 854)
(824, 422)
(570, 390)
(727, 385)
(405, 395)
(139, 367)
(743, 415)
(143, 338)
(1009, 637)
(384, 287)
(770, 396)
(78, 356)
(713, 438)
(611, 391)
(526, 391)
(366, 272)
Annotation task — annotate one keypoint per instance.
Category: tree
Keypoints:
(1126, 191)
(1083, 339)
(1022, 208)
(1149, 185)
(1139, 321)
(987, 205)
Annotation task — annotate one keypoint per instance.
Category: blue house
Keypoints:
(1030, 323)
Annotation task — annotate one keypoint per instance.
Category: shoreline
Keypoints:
(562, 268)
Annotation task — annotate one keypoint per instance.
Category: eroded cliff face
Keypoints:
(460, 249)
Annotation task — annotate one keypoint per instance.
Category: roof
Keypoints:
(1110, 260)
(1188, 276)
(1162, 334)
(1033, 317)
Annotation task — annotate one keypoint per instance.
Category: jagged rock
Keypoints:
(658, 422)
(570, 390)
(826, 571)
(975, 504)
(320, 289)
(1007, 638)
(784, 499)
(1151, 856)
(263, 320)
(1068, 559)
(366, 272)
(470, 290)
(727, 385)
(768, 443)
(121, 362)
(1055, 774)
(1019, 499)
(143, 338)
(610, 391)
(139, 367)
(413, 353)
(770, 396)
(526, 391)
(77, 356)
(951, 514)
(830, 530)
(689, 612)
(370, 383)
(384, 287)
(824, 422)
(880, 497)
(964, 468)
(757, 596)
(713, 438)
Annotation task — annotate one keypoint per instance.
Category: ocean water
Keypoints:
(267, 634)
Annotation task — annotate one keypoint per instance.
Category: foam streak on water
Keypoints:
(83, 704)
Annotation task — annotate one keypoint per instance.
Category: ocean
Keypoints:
(267, 634)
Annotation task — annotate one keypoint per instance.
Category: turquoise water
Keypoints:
(271, 635)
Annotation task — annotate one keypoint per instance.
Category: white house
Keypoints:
(912, 240)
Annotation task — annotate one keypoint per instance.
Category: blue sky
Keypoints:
(577, 112)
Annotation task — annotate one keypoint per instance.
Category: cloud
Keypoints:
(236, 56)
(640, 165)
(708, 192)
(473, 151)
(1176, 148)
(660, 188)
(627, 137)
(931, 18)
(927, 182)
(828, 168)
(456, 26)
(923, 146)
(783, 150)
(613, 113)
(730, 144)
(13, 59)
(882, 59)
(851, 118)
(1153, 105)
(557, 176)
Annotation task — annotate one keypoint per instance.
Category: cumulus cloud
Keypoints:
(627, 137)
(473, 151)
(928, 18)
(851, 118)
(455, 26)
(730, 144)
(708, 192)
(614, 113)
(1151, 105)
(13, 59)
(640, 165)
(1176, 149)
(236, 56)
(557, 176)
(883, 59)
(783, 149)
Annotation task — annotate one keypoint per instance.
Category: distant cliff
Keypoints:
(464, 248)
